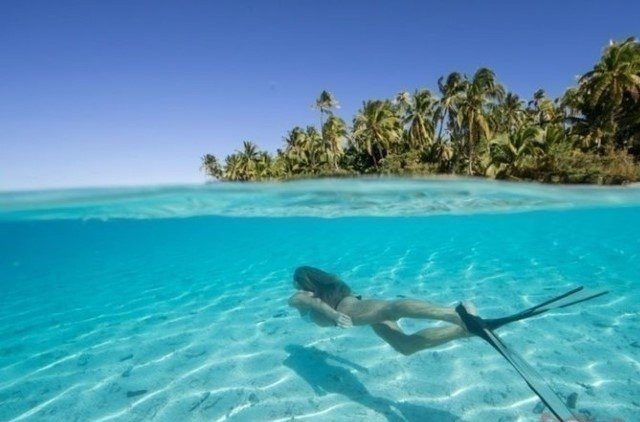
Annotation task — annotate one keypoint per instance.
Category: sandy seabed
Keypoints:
(187, 319)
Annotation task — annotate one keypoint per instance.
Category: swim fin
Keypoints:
(572, 297)
(484, 329)
(477, 326)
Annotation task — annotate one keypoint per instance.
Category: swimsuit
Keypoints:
(358, 297)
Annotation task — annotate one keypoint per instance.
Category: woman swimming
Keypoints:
(329, 302)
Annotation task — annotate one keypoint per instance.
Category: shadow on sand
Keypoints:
(324, 377)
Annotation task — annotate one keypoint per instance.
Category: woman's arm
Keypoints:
(322, 314)
(306, 302)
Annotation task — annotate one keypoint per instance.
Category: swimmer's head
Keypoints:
(327, 287)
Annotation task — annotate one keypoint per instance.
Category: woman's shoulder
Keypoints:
(300, 295)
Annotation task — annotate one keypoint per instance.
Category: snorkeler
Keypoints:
(328, 301)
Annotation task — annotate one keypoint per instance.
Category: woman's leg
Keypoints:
(408, 344)
(412, 308)
(367, 312)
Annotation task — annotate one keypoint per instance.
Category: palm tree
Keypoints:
(510, 114)
(538, 97)
(543, 110)
(315, 152)
(232, 168)
(451, 91)
(376, 128)
(265, 165)
(280, 166)
(312, 161)
(472, 116)
(507, 152)
(616, 74)
(295, 141)
(614, 80)
(629, 131)
(402, 101)
(211, 166)
(249, 151)
(571, 103)
(308, 155)
(306, 152)
(247, 164)
(334, 132)
(325, 103)
(420, 119)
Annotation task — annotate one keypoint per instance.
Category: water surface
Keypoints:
(169, 304)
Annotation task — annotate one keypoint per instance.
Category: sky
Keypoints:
(113, 93)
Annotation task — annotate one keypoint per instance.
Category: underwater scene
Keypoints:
(172, 303)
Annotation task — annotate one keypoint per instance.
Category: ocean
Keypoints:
(170, 303)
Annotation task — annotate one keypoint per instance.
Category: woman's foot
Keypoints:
(470, 307)
(471, 310)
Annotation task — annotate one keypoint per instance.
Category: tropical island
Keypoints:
(473, 126)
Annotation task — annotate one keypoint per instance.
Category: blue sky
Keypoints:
(134, 92)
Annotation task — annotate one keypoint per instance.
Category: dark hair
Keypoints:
(326, 287)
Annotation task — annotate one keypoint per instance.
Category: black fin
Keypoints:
(477, 326)
(562, 301)
(535, 382)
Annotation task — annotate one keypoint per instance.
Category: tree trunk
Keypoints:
(470, 157)
(373, 157)
(380, 152)
(444, 115)
(321, 131)
(470, 147)
(471, 139)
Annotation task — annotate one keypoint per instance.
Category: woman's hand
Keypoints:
(343, 320)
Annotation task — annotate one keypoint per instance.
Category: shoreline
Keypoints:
(426, 176)
(371, 177)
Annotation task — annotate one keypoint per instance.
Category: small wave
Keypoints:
(325, 198)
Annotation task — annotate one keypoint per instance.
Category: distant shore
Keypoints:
(576, 179)
(473, 126)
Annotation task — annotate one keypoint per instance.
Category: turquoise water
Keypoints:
(170, 304)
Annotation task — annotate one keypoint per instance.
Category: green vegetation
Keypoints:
(473, 126)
